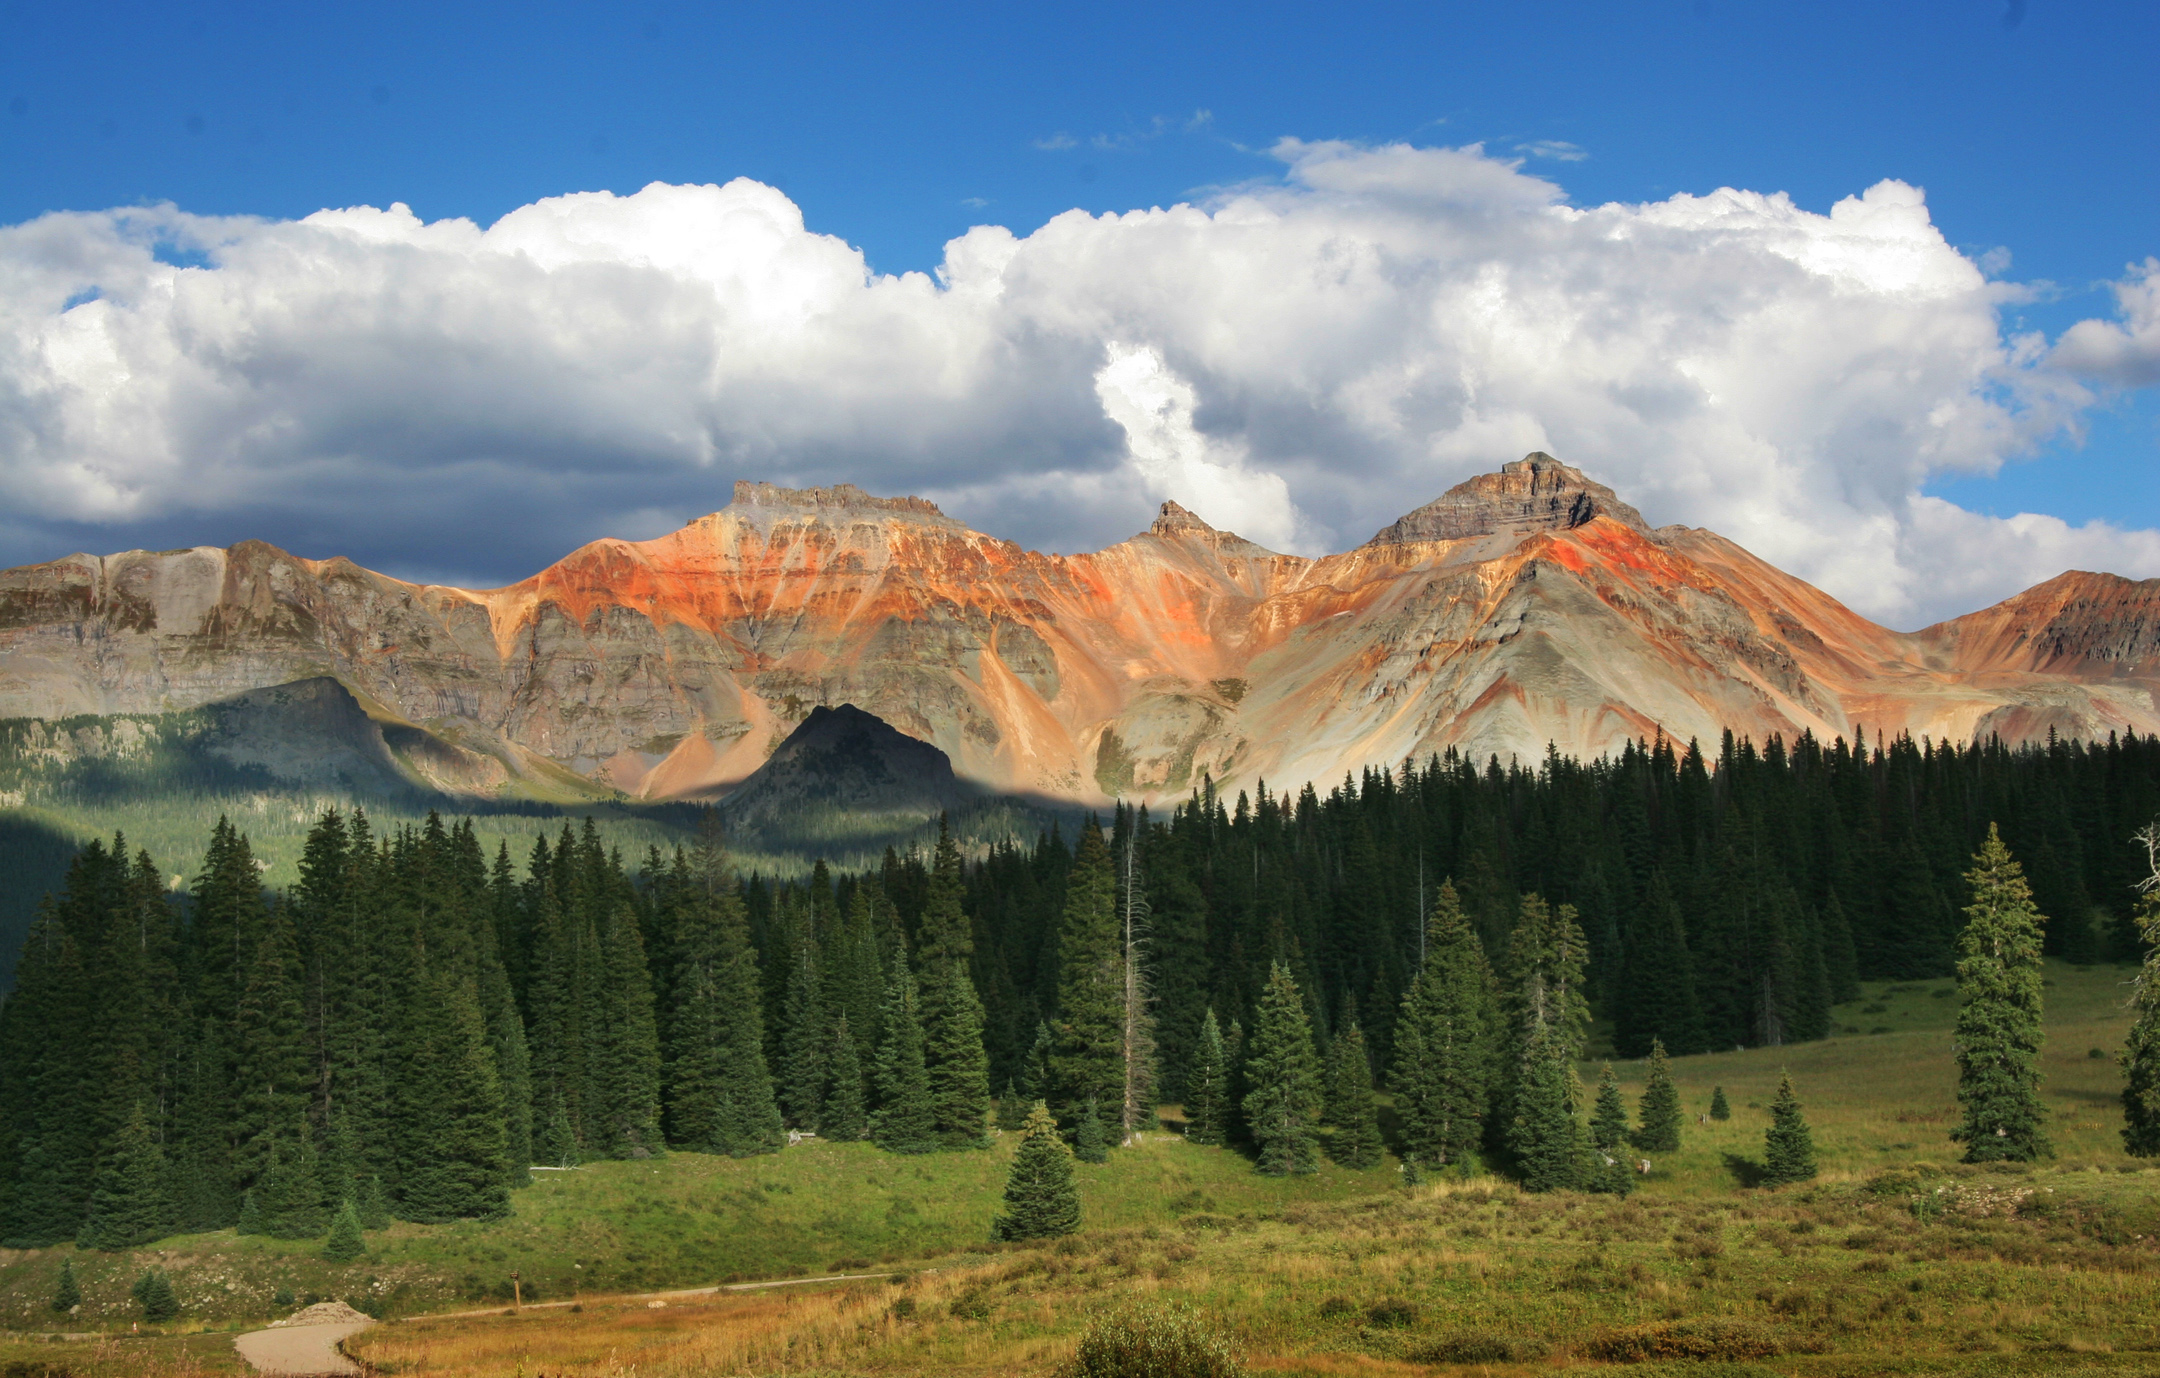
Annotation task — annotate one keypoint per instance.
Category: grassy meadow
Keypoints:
(1897, 1260)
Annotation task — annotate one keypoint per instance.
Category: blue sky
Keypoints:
(2031, 126)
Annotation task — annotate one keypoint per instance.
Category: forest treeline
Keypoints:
(414, 1023)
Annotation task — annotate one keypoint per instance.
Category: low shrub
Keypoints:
(1391, 1313)
(1706, 1338)
(1335, 1308)
(1476, 1347)
(1152, 1342)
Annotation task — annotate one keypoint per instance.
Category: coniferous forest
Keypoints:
(415, 1024)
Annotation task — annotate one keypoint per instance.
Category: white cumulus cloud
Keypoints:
(1300, 359)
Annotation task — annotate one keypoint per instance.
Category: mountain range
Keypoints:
(1521, 608)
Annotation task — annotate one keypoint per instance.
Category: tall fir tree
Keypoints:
(345, 1242)
(1041, 1199)
(1087, 1062)
(453, 1161)
(1659, 1131)
(1284, 1105)
(804, 1032)
(1207, 1085)
(1608, 1114)
(1547, 1021)
(719, 1090)
(1351, 1111)
(844, 1119)
(1788, 1145)
(1999, 1026)
(904, 1122)
(624, 1075)
(1444, 1048)
(955, 1061)
(127, 1201)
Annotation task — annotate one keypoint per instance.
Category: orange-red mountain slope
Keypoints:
(1520, 608)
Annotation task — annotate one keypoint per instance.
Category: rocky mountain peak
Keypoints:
(756, 499)
(1178, 523)
(1534, 493)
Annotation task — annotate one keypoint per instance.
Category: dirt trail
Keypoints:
(300, 1349)
(292, 1351)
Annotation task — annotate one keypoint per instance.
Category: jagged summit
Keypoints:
(1534, 493)
(1178, 523)
(758, 498)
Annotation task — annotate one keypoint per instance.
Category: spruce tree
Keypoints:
(1659, 1131)
(957, 1064)
(1351, 1112)
(346, 1242)
(1442, 1077)
(453, 1160)
(289, 1194)
(374, 1203)
(1041, 1200)
(68, 1295)
(843, 1119)
(1610, 1170)
(153, 1292)
(127, 1201)
(1788, 1147)
(1720, 1108)
(1545, 1139)
(1284, 1104)
(804, 1034)
(1011, 1110)
(624, 1060)
(1091, 1140)
(1608, 1114)
(1087, 1062)
(903, 1122)
(1999, 1029)
(719, 1089)
(1207, 1085)
(2141, 1050)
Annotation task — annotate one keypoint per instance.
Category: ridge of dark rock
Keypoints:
(1531, 494)
(841, 497)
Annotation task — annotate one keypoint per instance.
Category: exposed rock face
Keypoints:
(1534, 493)
(1519, 608)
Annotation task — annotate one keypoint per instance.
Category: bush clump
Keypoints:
(1152, 1342)
(1476, 1347)
(1708, 1338)
(1391, 1313)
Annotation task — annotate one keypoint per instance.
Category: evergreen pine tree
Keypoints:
(1609, 1170)
(374, 1204)
(345, 1243)
(804, 1034)
(1283, 1106)
(1207, 1085)
(153, 1292)
(289, 1194)
(1608, 1114)
(1091, 1141)
(719, 1089)
(1035, 1072)
(127, 1201)
(452, 1159)
(903, 1122)
(2141, 1050)
(68, 1296)
(1788, 1147)
(957, 1064)
(843, 1119)
(251, 1216)
(1659, 1131)
(1011, 1110)
(1545, 1138)
(624, 1060)
(1041, 1200)
(1351, 1112)
(1999, 1030)
(1442, 1077)
(1720, 1108)
(1087, 1062)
